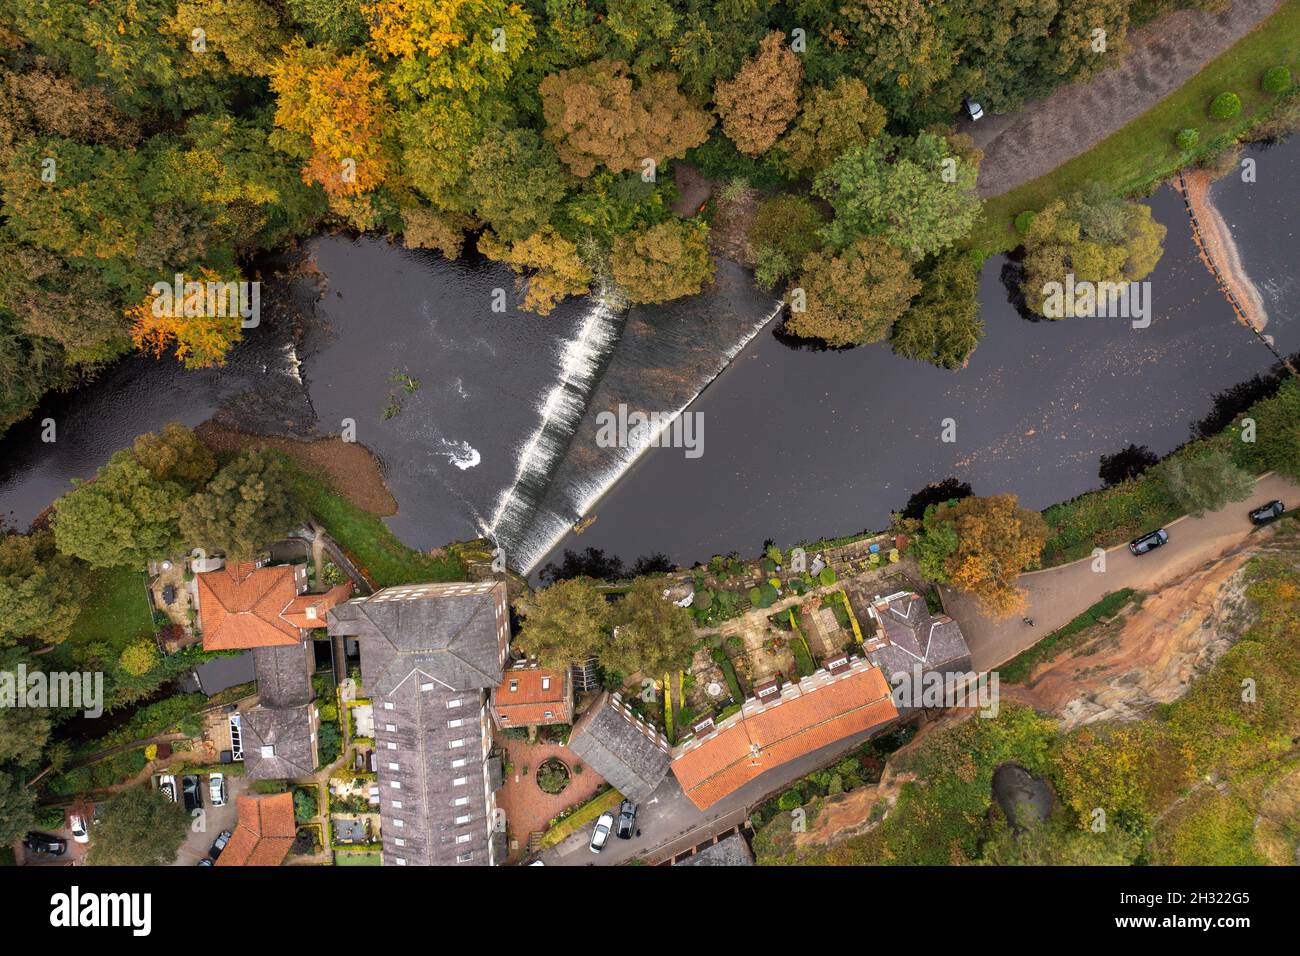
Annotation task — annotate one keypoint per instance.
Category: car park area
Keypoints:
(216, 819)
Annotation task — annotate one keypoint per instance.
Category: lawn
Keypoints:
(367, 540)
(114, 610)
(369, 858)
(1143, 153)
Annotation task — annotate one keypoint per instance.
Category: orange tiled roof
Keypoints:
(298, 612)
(240, 606)
(820, 711)
(263, 833)
(529, 702)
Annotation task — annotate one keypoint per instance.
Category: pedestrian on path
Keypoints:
(1029, 621)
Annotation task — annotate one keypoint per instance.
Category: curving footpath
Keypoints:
(1058, 595)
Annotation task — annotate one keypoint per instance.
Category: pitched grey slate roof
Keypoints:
(284, 674)
(729, 851)
(429, 654)
(915, 636)
(288, 732)
(630, 754)
(450, 633)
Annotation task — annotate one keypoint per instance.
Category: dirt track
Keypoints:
(1162, 56)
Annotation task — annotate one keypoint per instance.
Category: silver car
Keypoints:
(217, 789)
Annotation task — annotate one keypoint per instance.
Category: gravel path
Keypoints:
(1163, 55)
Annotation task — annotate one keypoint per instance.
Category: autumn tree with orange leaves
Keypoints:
(759, 103)
(331, 111)
(199, 336)
(980, 545)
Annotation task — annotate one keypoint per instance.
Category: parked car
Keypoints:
(190, 789)
(973, 109)
(167, 786)
(626, 820)
(222, 839)
(206, 861)
(1149, 542)
(1269, 512)
(46, 844)
(600, 836)
(217, 789)
(77, 825)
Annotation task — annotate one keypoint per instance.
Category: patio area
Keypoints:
(527, 807)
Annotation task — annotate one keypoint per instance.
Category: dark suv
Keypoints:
(46, 843)
(191, 793)
(626, 820)
(1269, 512)
(1149, 542)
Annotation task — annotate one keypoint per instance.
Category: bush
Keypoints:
(1024, 220)
(1225, 106)
(790, 800)
(1276, 80)
(1187, 139)
(826, 577)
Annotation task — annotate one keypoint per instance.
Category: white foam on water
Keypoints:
(549, 529)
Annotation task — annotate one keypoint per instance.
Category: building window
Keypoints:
(427, 687)
(546, 683)
(390, 745)
(459, 762)
(397, 804)
(514, 686)
(454, 703)
(459, 742)
(394, 766)
(464, 838)
(465, 857)
(395, 784)
(391, 728)
(547, 713)
(399, 841)
(389, 705)
(460, 801)
(400, 861)
(460, 781)
(399, 823)
(453, 724)
(464, 818)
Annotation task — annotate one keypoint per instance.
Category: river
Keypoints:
(485, 421)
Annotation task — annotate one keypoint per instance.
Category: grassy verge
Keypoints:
(365, 858)
(1143, 153)
(1018, 669)
(579, 818)
(374, 548)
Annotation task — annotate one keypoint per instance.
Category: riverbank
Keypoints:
(1133, 160)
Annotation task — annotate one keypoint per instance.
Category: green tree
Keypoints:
(1094, 236)
(665, 262)
(919, 193)
(853, 298)
(563, 624)
(784, 232)
(653, 635)
(124, 516)
(175, 454)
(17, 809)
(515, 181)
(138, 827)
(246, 506)
(942, 325)
(833, 120)
(1205, 480)
(548, 265)
(40, 596)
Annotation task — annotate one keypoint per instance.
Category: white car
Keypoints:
(600, 836)
(217, 789)
(78, 827)
(973, 110)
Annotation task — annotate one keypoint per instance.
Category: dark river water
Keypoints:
(485, 422)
